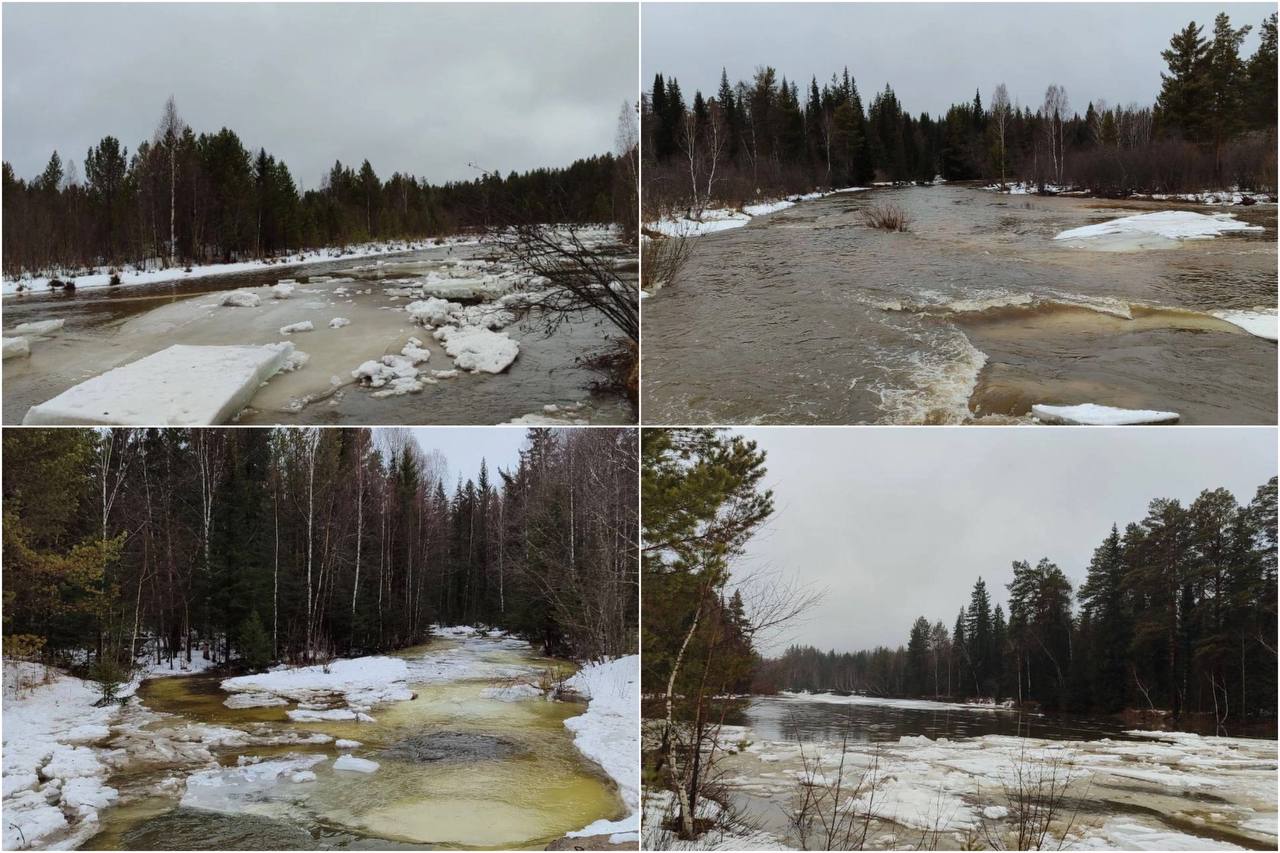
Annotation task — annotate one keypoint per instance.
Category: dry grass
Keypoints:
(888, 217)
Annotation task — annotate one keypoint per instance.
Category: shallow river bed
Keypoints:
(459, 766)
(808, 316)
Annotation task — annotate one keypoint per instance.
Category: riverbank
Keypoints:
(1227, 197)
(409, 746)
(713, 219)
(127, 275)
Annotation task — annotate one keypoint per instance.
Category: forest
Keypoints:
(1212, 125)
(255, 545)
(187, 198)
(1177, 613)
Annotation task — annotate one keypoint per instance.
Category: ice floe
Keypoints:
(1169, 224)
(1092, 414)
(478, 349)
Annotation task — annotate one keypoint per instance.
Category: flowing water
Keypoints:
(109, 327)
(808, 316)
(937, 769)
(458, 769)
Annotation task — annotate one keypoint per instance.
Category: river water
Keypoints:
(108, 327)
(935, 775)
(974, 315)
(458, 768)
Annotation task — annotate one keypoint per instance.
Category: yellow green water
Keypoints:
(534, 793)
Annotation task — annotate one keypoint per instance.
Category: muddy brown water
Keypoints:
(808, 316)
(519, 782)
(108, 327)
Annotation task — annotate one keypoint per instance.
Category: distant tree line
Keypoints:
(257, 545)
(1177, 613)
(1213, 125)
(187, 198)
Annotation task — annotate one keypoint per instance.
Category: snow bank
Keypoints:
(767, 207)
(304, 326)
(1260, 322)
(609, 734)
(357, 765)
(178, 386)
(359, 681)
(723, 219)
(38, 328)
(1169, 224)
(477, 349)
(240, 299)
(16, 348)
(54, 783)
(1092, 414)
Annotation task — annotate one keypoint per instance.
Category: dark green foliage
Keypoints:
(253, 643)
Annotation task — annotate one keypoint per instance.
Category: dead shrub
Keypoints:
(886, 216)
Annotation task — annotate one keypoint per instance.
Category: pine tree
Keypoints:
(1183, 98)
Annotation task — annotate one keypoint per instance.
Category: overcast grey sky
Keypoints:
(933, 55)
(416, 88)
(464, 447)
(895, 523)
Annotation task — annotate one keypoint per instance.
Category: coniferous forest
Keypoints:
(183, 197)
(259, 545)
(1177, 613)
(1212, 125)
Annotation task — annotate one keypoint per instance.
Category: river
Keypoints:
(109, 327)
(459, 766)
(933, 775)
(974, 315)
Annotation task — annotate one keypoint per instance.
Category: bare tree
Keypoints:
(1001, 112)
(168, 136)
(1055, 115)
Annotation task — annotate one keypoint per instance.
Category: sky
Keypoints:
(933, 55)
(418, 88)
(889, 524)
(464, 447)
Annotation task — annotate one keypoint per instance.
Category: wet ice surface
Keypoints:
(807, 316)
(951, 785)
(110, 327)
(186, 761)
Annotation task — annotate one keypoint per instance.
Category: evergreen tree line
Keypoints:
(1212, 125)
(301, 544)
(1177, 613)
(187, 198)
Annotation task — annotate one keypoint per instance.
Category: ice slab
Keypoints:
(1171, 224)
(241, 299)
(1260, 322)
(476, 349)
(1092, 414)
(178, 386)
(37, 328)
(16, 348)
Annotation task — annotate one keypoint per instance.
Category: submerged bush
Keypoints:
(890, 217)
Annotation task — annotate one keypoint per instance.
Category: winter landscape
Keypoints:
(320, 638)
(479, 274)
(880, 640)
(1079, 244)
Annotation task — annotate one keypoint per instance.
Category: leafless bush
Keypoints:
(887, 216)
(1036, 797)
(662, 259)
(830, 812)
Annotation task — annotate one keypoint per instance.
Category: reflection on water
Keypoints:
(806, 316)
(522, 797)
(782, 719)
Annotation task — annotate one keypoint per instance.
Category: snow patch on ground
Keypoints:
(177, 386)
(54, 784)
(609, 734)
(1092, 414)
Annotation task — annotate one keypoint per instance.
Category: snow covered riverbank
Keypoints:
(130, 276)
(721, 219)
(609, 734)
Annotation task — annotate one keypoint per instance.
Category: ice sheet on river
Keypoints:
(1169, 224)
(177, 386)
